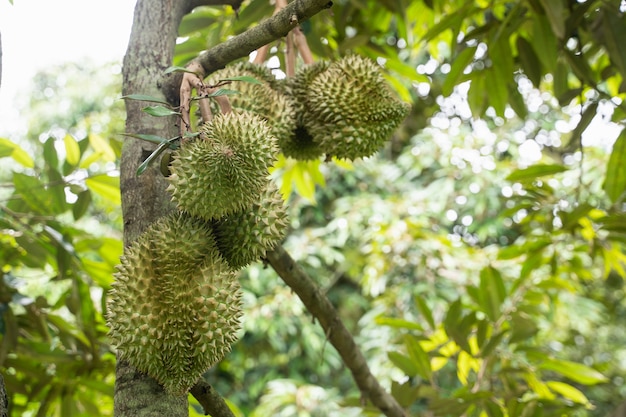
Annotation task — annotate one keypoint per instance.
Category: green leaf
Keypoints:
(557, 15)
(19, 155)
(544, 43)
(463, 59)
(577, 372)
(419, 356)
(178, 69)
(159, 111)
(105, 186)
(72, 151)
(404, 363)
(535, 171)
(615, 180)
(155, 154)
(143, 97)
(397, 323)
(585, 119)
(425, 311)
(244, 78)
(150, 138)
(610, 30)
(568, 391)
(529, 61)
(81, 205)
(492, 292)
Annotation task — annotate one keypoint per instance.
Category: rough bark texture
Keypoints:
(4, 400)
(150, 51)
(322, 309)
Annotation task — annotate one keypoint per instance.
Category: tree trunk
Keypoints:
(150, 51)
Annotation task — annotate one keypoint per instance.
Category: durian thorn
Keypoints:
(303, 46)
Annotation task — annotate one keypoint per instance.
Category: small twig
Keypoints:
(290, 64)
(323, 310)
(210, 400)
(191, 80)
(303, 46)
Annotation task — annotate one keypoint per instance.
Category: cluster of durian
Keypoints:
(342, 109)
(174, 309)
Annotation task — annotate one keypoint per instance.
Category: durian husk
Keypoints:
(299, 144)
(174, 308)
(350, 109)
(265, 99)
(245, 237)
(225, 170)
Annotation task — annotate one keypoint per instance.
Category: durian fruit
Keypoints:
(299, 144)
(224, 170)
(244, 237)
(351, 111)
(263, 99)
(175, 305)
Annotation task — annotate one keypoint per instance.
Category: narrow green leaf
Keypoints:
(178, 69)
(615, 180)
(529, 61)
(585, 119)
(492, 344)
(425, 311)
(544, 42)
(150, 138)
(150, 159)
(568, 391)
(72, 151)
(244, 78)
(610, 30)
(81, 205)
(419, 356)
(398, 323)
(159, 111)
(461, 62)
(535, 171)
(577, 372)
(580, 66)
(560, 83)
(144, 97)
(404, 363)
(557, 15)
(22, 157)
(497, 89)
(219, 92)
(492, 292)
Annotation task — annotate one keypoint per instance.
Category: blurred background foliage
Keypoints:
(478, 259)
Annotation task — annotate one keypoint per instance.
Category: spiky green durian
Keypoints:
(175, 305)
(244, 237)
(299, 144)
(263, 98)
(226, 169)
(351, 110)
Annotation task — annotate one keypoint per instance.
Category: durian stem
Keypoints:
(261, 53)
(322, 309)
(290, 64)
(303, 46)
(191, 80)
(210, 400)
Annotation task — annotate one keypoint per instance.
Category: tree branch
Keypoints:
(210, 400)
(319, 305)
(241, 45)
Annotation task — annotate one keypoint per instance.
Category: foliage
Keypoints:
(479, 258)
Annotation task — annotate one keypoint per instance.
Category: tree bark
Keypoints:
(322, 309)
(144, 199)
(4, 399)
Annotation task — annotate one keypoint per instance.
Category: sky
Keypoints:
(39, 33)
